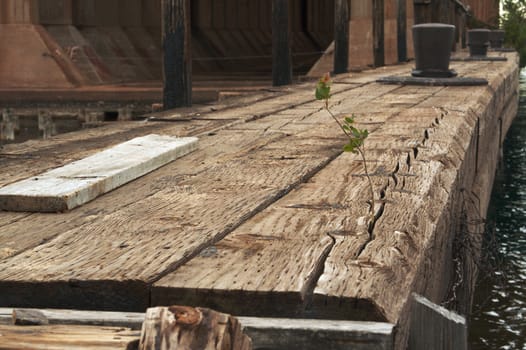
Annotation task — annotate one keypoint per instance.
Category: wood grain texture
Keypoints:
(240, 179)
(266, 217)
(67, 337)
(182, 327)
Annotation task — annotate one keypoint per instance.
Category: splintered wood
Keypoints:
(181, 327)
(68, 337)
(268, 217)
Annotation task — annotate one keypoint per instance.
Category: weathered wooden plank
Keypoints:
(74, 317)
(273, 333)
(182, 327)
(281, 54)
(231, 192)
(305, 224)
(79, 182)
(177, 54)
(434, 327)
(24, 233)
(67, 337)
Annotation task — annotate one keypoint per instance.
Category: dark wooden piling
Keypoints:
(341, 36)
(402, 31)
(378, 33)
(177, 72)
(434, 327)
(281, 55)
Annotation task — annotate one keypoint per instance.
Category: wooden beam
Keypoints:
(341, 36)
(182, 327)
(402, 30)
(177, 72)
(79, 182)
(378, 33)
(281, 55)
(433, 327)
(267, 333)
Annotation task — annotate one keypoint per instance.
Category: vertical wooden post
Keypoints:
(281, 56)
(177, 55)
(402, 30)
(378, 33)
(341, 36)
(435, 328)
(53, 12)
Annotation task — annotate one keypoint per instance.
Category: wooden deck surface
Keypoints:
(267, 217)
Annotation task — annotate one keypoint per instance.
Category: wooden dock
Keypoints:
(267, 217)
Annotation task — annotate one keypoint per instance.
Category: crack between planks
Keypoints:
(230, 228)
(307, 291)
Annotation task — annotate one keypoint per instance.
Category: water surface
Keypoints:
(499, 313)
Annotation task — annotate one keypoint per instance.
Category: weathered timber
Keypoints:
(410, 80)
(281, 54)
(272, 333)
(378, 32)
(182, 327)
(177, 54)
(426, 145)
(294, 334)
(170, 191)
(341, 36)
(72, 317)
(24, 317)
(434, 327)
(68, 337)
(79, 182)
(391, 255)
(401, 27)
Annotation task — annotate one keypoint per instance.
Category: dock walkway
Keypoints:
(267, 217)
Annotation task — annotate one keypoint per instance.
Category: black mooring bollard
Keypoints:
(496, 38)
(432, 45)
(478, 42)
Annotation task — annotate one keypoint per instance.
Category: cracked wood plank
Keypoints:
(121, 250)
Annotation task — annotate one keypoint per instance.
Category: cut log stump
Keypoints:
(181, 327)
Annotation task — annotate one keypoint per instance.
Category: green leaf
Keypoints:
(323, 91)
(349, 148)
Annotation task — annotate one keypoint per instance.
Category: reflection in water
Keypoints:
(499, 313)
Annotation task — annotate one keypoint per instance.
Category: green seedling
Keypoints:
(355, 137)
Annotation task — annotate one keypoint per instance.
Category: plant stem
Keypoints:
(336, 119)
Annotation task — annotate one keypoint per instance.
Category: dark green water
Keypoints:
(499, 313)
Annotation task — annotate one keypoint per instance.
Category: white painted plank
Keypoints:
(81, 181)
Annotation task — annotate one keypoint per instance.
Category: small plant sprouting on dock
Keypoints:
(356, 137)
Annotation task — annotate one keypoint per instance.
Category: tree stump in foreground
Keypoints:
(188, 328)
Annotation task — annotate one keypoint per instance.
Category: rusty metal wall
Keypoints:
(484, 10)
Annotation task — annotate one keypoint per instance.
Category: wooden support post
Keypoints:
(281, 55)
(181, 327)
(177, 72)
(378, 33)
(402, 30)
(56, 12)
(433, 327)
(463, 29)
(341, 36)
(422, 11)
